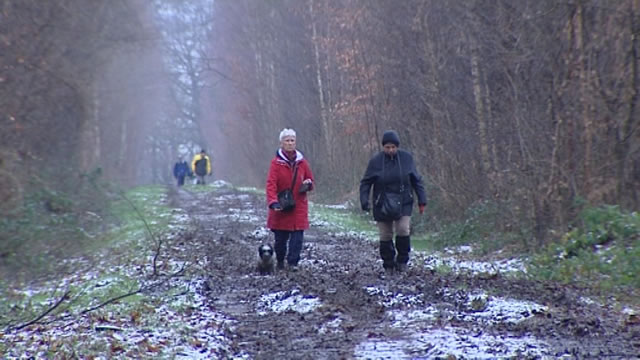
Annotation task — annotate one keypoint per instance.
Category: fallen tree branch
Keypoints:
(112, 300)
(41, 316)
(154, 238)
(104, 303)
(141, 289)
(142, 218)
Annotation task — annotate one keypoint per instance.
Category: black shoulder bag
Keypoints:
(285, 197)
(390, 203)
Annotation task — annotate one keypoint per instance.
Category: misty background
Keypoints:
(528, 106)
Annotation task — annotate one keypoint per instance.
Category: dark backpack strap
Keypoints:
(295, 175)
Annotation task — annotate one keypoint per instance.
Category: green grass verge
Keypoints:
(47, 227)
(342, 219)
(139, 211)
(601, 252)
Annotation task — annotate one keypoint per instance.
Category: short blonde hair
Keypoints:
(287, 132)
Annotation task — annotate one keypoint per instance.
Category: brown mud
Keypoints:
(351, 303)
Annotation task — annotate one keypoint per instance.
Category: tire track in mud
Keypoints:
(338, 300)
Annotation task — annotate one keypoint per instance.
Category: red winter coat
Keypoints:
(279, 179)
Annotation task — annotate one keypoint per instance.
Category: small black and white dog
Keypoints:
(265, 259)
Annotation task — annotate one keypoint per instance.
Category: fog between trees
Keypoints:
(529, 105)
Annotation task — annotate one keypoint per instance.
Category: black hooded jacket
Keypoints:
(399, 174)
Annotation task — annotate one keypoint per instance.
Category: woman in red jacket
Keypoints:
(288, 225)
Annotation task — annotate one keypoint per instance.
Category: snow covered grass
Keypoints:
(450, 260)
(167, 319)
(151, 328)
(140, 211)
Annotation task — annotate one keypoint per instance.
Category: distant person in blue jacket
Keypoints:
(180, 171)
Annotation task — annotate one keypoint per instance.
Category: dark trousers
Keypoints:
(180, 180)
(294, 238)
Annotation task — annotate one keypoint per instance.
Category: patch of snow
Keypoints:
(313, 263)
(287, 301)
(453, 342)
(332, 326)
(260, 233)
(501, 310)
(181, 218)
(587, 301)
(234, 214)
(350, 234)
(221, 183)
(422, 339)
(629, 311)
(180, 227)
(232, 197)
(402, 319)
(433, 261)
(389, 299)
(343, 206)
(320, 223)
(249, 189)
(165, 336)
(459, 249)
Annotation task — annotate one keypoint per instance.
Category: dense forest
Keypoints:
(530, 106)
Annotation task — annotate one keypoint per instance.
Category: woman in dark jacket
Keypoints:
(288, 226)
(393, 175)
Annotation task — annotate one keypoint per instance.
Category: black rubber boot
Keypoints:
(403, 245)
(388, 254)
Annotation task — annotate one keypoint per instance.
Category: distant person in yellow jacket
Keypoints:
(201, 166)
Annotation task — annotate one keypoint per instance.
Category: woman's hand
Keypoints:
(306, 186)
(276, 206)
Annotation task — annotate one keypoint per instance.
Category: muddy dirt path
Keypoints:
(339, 306)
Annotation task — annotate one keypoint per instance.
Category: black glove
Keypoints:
(304, 188)
(275, 206)
(365, 207)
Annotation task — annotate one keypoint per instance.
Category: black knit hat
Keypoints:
(390, 136)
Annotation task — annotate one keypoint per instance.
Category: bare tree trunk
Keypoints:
(443, 118)
(624, 136)
(584, 99)
(480, 112)
(327, 126)
(124, 146)
(90, 134)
